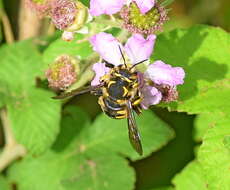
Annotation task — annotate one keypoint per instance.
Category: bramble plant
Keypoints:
(156, 89)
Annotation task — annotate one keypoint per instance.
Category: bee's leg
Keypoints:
(97, 92)
(137, 109)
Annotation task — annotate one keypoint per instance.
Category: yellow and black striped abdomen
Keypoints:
(112, 108)
(121, 86)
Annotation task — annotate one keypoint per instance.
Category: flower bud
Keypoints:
(169, 93)
(147, 23)
(63, 72)
(68, 15)
(67, 36)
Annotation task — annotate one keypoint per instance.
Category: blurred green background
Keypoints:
(158, 169)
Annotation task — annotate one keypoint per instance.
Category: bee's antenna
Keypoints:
(109, 65)
(134, 65)
(122, 56)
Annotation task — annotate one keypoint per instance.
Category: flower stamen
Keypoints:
(63, 13)
(148, 23)
(63, 72)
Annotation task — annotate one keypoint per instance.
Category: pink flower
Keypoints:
(107, 46)
(152, 96)
(100, 69)
(137, 47)
(165, 78)
(139, 16)
(159, 81)
(98, 7)
(145, 5)
(161, 73)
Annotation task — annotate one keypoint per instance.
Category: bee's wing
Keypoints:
(77, 92)
(134, 136)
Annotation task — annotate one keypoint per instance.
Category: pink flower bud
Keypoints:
(68, 15)
(67, 36)
(63, 72)
(169, 93)
(63, 13)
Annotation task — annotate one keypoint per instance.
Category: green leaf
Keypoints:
(74, 120)
(203, 52)
(192, 176)
(35, 119)
(203, 122)
(60, 47)
(106, 171)
(86, 156)
(163, 188)
(72, 168)
(1, 35)
(20, 64)
(112, 135)
(58, 171)
(47, 40)
(226, 141)
(1, 5)
(4, 184)
(33, 115)
(85, 2)
(166, 3)
(214, 155)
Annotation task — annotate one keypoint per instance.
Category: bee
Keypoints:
(119, 97)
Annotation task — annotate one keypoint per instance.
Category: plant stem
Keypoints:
(29, 23)
(9, 154)
(6, 27)
(123, 36)
(51, 29)
(12, 150)
(114, 23)
(84, 79)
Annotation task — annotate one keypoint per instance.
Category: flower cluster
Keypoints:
(158, 83)
(139, 16)
(63, 13)
(67, 15)
(119, 84)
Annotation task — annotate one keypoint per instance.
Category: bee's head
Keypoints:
(125, 67)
